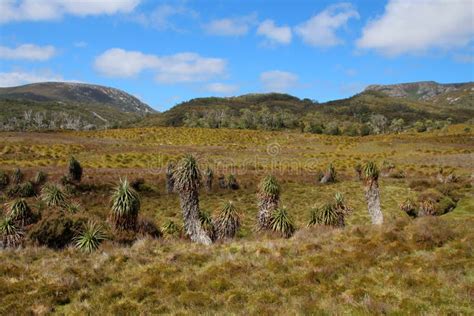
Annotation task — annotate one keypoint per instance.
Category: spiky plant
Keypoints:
(11, 234)
(170, 228)
(228, 221)
(26, 189)
(329, 175)
(75, 170)
(232, 182)
(209, 179)
(40, 178)
(207, 224)
(187, 179)
(327, 215)
(53, 196)
(4, 180)
(90, 238)
(269, 200)
(281, 223)
(125, 207)
(372, 192)
(17, 176)
(20, 212)
(169, 177)
(408, 206)
(73, 207)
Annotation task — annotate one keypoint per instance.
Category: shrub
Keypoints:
(228, 221)
(281, 223)
(4, 180)
(57, 229)
(75, 170)
(90, 238)
(409, 207)
(53, 196)
(40, 178)
(232, 182)
(17, 176)
(12, 235)
(125, 207)
(21, 190)
(21, 213)
(146, 227)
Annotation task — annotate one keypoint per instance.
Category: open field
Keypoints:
(416, 266)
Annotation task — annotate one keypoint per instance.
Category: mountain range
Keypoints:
(94, 106)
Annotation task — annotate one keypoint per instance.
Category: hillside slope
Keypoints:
(453, 102)
(73, 105)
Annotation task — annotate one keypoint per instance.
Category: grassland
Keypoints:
(408, 266)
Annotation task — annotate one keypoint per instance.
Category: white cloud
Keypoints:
(274, 34)
(222, 88)
(320, 30)
(160, 17)
(417, 26)
(278, 81)
(117, 62)
(16, 78)
(28, 52)
(181, 67)
(231, 26)
(41, 10)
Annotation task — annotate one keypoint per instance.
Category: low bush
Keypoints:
(56, 229)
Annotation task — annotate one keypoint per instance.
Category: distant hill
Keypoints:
(93, 105)
(423, 90)
(411, 102)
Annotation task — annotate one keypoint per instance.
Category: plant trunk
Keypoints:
(267, 206)
(372, 195)
(190, 205)
(169, 182)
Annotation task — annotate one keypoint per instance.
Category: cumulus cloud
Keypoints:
(278, 81)
(222, 88)
(40, 10)
(320, 30)
(181, 67)
(16, 78)
(237, 26)
(417, 26)
(273, 33)
(28, 52)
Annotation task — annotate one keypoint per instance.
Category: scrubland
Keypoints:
(406, 266)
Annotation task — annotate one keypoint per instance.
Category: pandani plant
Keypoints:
(20, 213)
(187, 177)
(125, 206)
(90, 238)
(269, 200)
(281, 223)
(372, 192)
(11, 234)
(228, 221)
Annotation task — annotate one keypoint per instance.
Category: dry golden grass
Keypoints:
(421, 266)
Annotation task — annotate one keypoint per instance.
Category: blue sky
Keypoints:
(165, 52)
